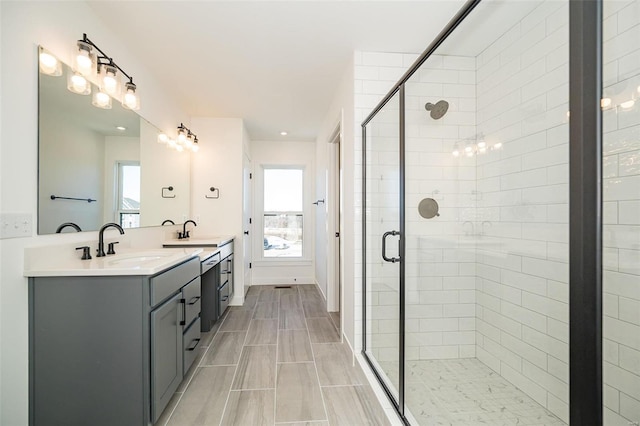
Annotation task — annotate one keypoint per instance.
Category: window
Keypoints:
(128, 195)
(283, 216)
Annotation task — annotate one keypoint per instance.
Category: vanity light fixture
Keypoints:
(84, 64)
(163, 138)
(49, 64)
(187, 139)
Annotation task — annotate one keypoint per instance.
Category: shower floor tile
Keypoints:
(464, 392)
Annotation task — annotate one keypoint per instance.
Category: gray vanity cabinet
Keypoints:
(108, 350)
(166, 353)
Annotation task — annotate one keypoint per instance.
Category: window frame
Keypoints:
(119, 211)
(305, 212)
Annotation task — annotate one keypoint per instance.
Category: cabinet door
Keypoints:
(166, 353)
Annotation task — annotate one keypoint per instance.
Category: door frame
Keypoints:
(335, 289)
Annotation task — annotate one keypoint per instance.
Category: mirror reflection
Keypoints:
(103, 165)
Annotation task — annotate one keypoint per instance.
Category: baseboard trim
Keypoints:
(283, 280)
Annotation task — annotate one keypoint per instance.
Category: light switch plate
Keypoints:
(15, 225)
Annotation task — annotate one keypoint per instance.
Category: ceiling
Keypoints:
(276, 64)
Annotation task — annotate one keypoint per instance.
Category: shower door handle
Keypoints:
(384, 247)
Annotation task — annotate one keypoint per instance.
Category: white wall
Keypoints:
(56, 25)
(219, 164)
(283, 270)
(621, 230)
(162, 167)
(343, 106)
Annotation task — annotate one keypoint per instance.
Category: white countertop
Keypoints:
(215, 241)
(126, 261)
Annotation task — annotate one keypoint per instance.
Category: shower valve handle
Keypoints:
(384, 247)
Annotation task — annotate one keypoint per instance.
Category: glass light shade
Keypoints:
(468, 149)
(130, 99)
(49, 64)
(482, 144)
(628, 105)
(110, 83)
(163, 138)
(179, 148)
(195, 147)
(101, 100)
(497, 145)
(189, 141)
(84, 60)
(77, 83)
(182, 136)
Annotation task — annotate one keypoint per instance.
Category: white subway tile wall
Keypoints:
(621, 230)
(488, 278)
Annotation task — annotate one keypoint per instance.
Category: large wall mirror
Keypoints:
(108, 156)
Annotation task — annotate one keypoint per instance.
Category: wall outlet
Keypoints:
(15, 225)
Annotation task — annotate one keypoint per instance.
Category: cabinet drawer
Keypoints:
(191, 295)
(170, 281)
(190, 342)
(226, 250)
(209, 263)
(223, 299)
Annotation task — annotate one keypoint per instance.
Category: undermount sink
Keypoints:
(137, 259)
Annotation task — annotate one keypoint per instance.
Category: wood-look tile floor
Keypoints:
(277, 360)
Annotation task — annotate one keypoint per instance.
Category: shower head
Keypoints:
(438, 110)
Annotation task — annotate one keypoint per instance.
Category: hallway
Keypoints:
(276, 360)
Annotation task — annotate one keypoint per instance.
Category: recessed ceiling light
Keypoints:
(284, 133)
(121, 128)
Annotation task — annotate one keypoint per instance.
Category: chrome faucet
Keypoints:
(101, 237)
(69, 224)
(185, 233)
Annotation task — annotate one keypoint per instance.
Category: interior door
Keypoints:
(381, 244)
(247, 189)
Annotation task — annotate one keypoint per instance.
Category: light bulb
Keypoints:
(456, 153)
(130, 100)
(162, 138)
(482, 150)
(605, 103)
(627, 105)
(468, 149)
(497, 145)
(482, 144)
(195, 147)
(79, 83)
(101, 100)
(189, 141)
(182, 136)
(49, 64)
(179, 148)
(84, 58)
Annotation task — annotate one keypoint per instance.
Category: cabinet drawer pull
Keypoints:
(183, 321)
(194, 344)
(194, 300)
(224, 299)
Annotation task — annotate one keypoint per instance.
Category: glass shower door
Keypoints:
(381, 244)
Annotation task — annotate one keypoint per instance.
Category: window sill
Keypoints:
(282, 262)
